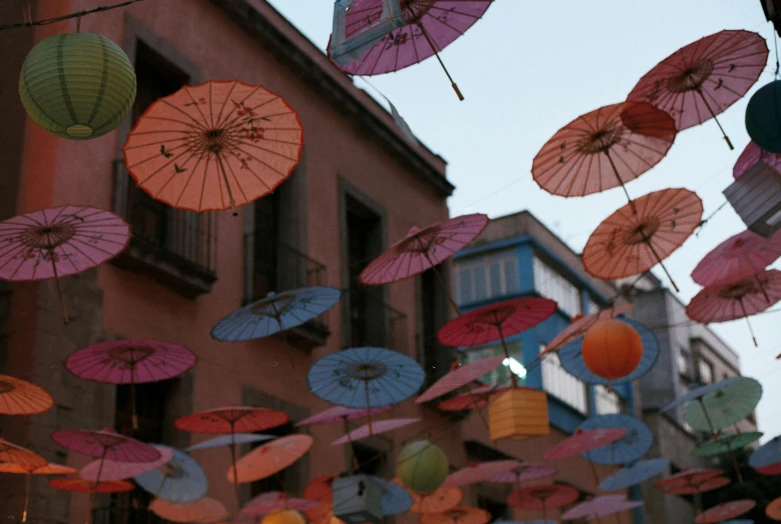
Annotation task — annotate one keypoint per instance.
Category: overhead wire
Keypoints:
(69, 16)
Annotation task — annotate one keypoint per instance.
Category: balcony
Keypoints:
(285, 269)
(176, 247)
(369, 321)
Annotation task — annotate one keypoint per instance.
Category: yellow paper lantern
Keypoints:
(422, 467)
(77, 85)
(518, 414)
(284, 516)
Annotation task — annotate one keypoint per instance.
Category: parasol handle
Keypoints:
(658, 259)
(458, 92)
(507, 356)
(750, 329)
(64, 310)
(133, 408)
(27, 497)
(441, 63)
(444, 284)
(479, 411)
(615, 171)
(368, 408)
(235, 471)
(713, 115)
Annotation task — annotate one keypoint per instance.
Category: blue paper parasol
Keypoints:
(276, 313)
(766, 455)
(180, 481)
(696, 393)
(572, 358)
(365, 377)
(225, 440)
(634, 474)
(396, 499)
(625, 450)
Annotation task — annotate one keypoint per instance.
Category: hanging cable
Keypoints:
(77, 15)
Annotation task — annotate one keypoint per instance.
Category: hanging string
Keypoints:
(705, 220)
(67, 17)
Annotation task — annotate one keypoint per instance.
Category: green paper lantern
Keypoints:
(763, 117)
(77, 85)
(422, 467)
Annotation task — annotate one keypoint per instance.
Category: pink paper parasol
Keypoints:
(426, 28)
(584, 441)
(105, 444)
(739, 299)
(524, 472)
(475, 399)
(752, 155)
(725, 511)
(112, 470)
(601, 506)
(423, 249)
(704, 78)
(275, 500)
(688, 475)
(58, 242)
(229, 421)
(375, 428)
(130, 362)
(479, 472)
(740, 256)
(341, 414)
(698, 485)
(460, 375)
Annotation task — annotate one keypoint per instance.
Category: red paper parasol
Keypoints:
(475, 399)
(739, 299)
(105, 444)
(130, 362)
(19, 397)
(439, 501)
(425, 28)
(543, 497)
(341, 414)
(458, 515)
(423, 249)
(740, 256)
(480, 472)
(630, 242)
(524, 472)
(80, 485)
(699, 485)
(703, 79)
(460, 375)
(204, 511)
(686, 476)
(495, 322)
(275, 500)
(58, 242)
(231, 420)
(321, 490)
(604, 149)
(725, 511)
(751, 156)
(580, 325)
(269, 458)
(374, 428)
(584, 441)
(215, 146)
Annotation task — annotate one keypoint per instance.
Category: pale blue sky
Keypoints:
(529, 68)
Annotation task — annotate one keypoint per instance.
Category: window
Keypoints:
(501, 375)
(171, 236)
(482, 278)
(684, 359)
(371, 461)
(562, 385)
(432, 315)
(552, 285)
(607, 402)
(706, 371)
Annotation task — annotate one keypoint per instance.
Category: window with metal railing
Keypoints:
(373, 322)
(501, 375)
(560, 384)
(554, 286)
(607, 402)
(287, 268)
(485, 277)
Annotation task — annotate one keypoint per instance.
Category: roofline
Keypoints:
(267, 27)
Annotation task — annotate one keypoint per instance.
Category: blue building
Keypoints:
(517, 256)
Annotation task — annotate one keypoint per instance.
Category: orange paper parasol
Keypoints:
(206, 510)
(214, 146)
(459, 515)
(321, 490)
(270, 458)
(439, 501)
(604, 149)
(19, 456)
(49, 469)
(773, 510)
(630, 242)
(725, 511)
(19, 397)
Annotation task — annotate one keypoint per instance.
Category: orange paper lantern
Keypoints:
(517, 414)
(612, 349)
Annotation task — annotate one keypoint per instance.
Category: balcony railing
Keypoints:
(371, 322)
(284, 270)
(173, 243)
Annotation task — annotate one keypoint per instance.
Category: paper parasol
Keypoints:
(180, 480)
(19, 397)
(269, 458)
